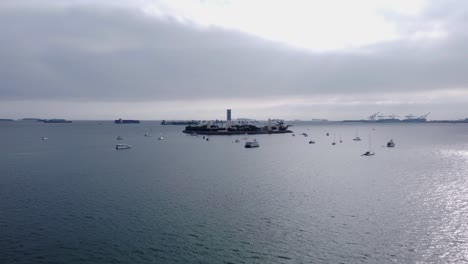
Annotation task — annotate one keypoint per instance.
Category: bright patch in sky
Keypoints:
(310, 24)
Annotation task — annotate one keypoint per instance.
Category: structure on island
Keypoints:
(230, 127)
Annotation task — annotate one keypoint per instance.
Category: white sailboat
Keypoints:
(369, 152)
(149, 134)
(357, 138)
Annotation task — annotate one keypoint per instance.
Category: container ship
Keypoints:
(122, 121)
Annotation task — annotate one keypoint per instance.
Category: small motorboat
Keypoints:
(252, 144)
(119, 138)
(237, 141)
(207, 139)
(390, 144)
(122, 146)
(305, 134)
(311, 142)
(44, 138)
(160, 138)
(328, 134)
(293, 135)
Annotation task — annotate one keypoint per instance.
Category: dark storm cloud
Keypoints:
(110, 54)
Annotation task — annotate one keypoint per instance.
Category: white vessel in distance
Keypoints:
(369, 152)
(357, 138)
(122, 146)
(252, 144)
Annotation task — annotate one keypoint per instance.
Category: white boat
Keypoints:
(44, 138)
(119, 138)
(122, 146)
(160, 138)
(369, 152)
(357, 138)
(305, 134)
(252, 144)
(390, 144)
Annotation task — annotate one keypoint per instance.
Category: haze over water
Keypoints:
(75, 199)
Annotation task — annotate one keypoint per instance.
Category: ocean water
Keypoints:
(75, 199)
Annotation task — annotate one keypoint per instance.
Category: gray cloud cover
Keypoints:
(113, 54)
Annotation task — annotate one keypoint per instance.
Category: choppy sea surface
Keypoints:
(75, 199)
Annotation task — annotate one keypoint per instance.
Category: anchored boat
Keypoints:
(252, 144)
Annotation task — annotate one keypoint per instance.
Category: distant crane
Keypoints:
(424, 116)
(411, 116)
(373, 116)
(392, 116)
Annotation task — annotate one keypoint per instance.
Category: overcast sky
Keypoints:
(289, 59)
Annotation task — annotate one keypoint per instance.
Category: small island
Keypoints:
(239, 127)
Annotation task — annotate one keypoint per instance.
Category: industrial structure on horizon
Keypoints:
(381, 118)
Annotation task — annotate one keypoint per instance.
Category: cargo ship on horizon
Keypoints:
(122, 121)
